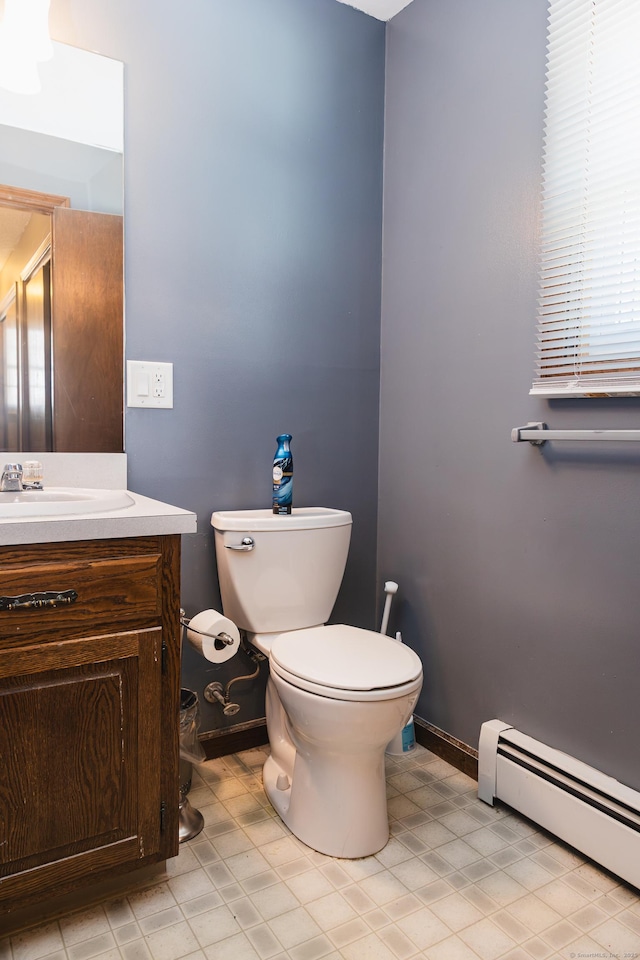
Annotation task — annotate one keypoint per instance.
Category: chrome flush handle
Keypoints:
(248, 543)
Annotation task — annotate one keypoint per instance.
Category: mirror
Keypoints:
(61, 259)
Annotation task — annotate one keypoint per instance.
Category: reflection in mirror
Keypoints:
(61, 263)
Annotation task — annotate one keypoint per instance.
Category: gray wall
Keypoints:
(518, 569)
(253, 223)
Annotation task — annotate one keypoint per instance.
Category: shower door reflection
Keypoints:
(25, 357)
(35, 366)
(9, 377)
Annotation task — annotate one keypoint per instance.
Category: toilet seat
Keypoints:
(345, 663)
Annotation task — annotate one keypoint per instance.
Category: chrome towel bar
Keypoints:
(538, 433)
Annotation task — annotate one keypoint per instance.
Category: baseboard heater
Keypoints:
(592, 812)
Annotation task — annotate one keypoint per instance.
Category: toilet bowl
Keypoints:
(336, 694)
(325, 775)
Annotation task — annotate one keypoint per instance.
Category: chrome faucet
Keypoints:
(11, 480)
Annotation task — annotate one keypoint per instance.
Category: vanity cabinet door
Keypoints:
(80, 756)
(89, 714)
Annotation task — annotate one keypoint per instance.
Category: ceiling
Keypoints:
(381, 9)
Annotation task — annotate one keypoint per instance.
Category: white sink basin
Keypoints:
(61, 501)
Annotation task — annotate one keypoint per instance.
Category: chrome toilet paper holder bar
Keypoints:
(221, 637)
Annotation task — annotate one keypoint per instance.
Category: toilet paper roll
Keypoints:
(213, 622)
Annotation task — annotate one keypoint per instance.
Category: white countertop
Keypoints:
(145, 517)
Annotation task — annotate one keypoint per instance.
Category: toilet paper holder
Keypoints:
(213, 692)
(221, 638)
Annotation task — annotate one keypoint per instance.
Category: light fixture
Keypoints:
(24, 43)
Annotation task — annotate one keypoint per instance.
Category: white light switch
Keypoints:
(149, 384)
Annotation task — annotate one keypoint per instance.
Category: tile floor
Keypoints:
(458, 880)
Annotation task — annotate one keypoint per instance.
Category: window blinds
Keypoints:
(589, 305)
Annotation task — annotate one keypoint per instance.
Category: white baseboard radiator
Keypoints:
(590, 811)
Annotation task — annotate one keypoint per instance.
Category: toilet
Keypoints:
(336, 694)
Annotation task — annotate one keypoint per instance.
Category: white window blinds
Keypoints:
(589, 306)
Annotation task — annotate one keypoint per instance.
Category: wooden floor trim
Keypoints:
(244, 736)
(447, 747)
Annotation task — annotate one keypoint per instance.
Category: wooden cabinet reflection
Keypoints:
(61, 338)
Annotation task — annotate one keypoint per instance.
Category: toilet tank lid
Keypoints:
(300, 518)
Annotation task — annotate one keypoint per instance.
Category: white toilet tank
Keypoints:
(289, 579)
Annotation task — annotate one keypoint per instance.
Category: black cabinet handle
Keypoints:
(31, 601)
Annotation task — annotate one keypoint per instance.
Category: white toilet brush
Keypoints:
(390, 589)
(405, 740)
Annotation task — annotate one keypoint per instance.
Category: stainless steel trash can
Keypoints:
(190, 820)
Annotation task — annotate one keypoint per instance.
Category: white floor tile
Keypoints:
(458, 880)
(424, 928)
(294, 927)
(38, 943)
(456, 912)
(487, 939)
(84, 926)
(215, 925)
(310, 885)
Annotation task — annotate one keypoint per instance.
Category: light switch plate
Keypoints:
(149, 384)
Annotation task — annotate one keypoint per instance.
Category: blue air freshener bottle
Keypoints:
(283, 476)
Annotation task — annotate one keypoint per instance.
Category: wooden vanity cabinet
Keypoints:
(89, 713)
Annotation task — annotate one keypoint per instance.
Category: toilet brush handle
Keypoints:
(390, 589)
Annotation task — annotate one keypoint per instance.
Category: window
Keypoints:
(589, 307)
